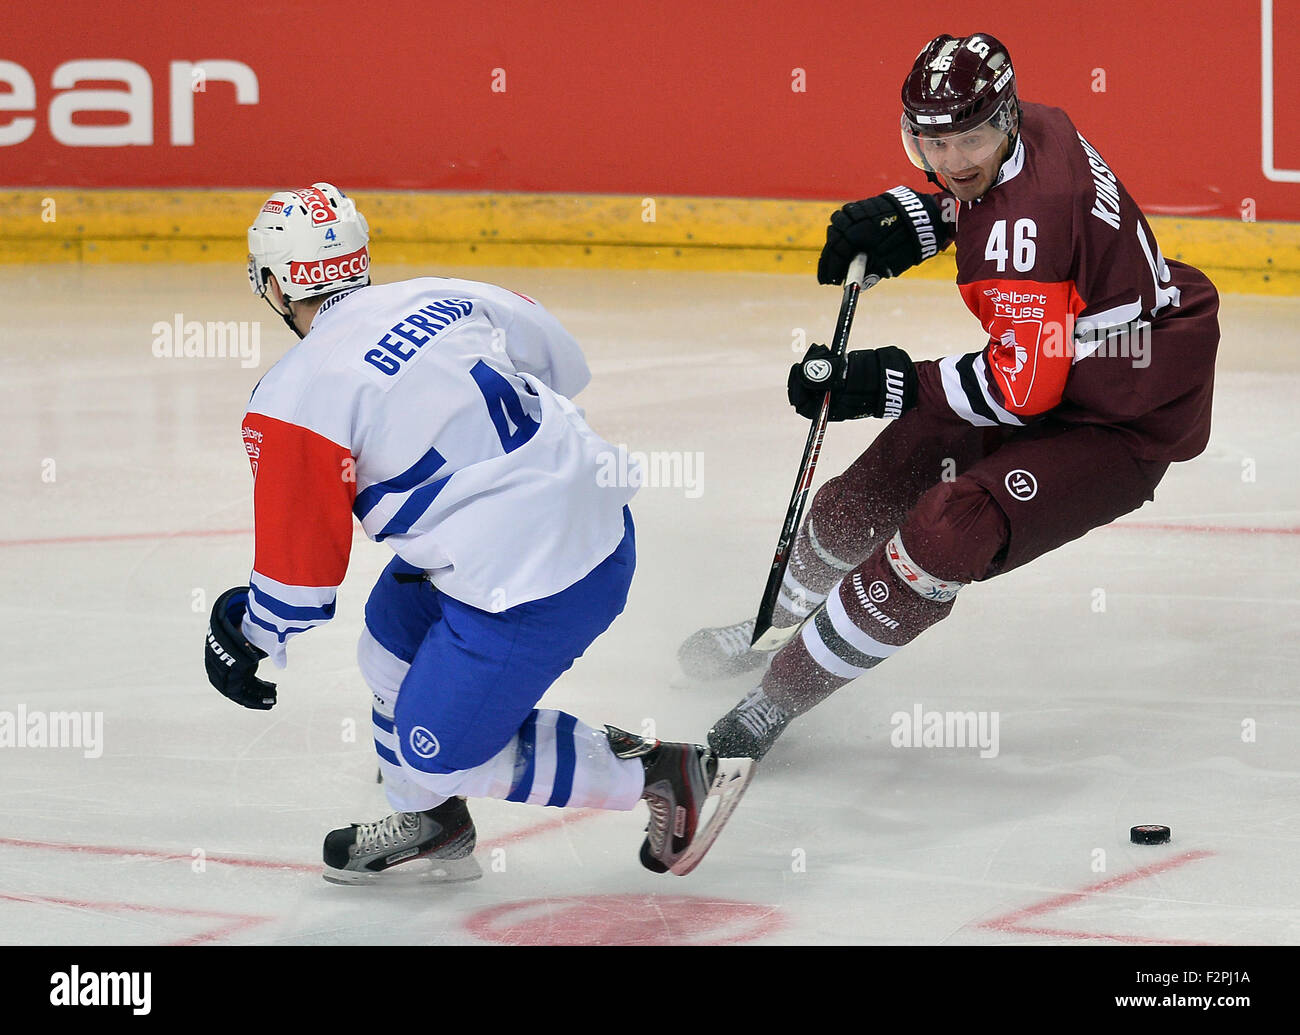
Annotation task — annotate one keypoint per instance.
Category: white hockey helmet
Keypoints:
(313, 241)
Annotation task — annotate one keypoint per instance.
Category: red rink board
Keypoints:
(751, 99)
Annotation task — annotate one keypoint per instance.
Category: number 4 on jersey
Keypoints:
(514, 426)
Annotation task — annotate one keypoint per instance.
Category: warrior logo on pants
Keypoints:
(424, 743)
(1022, 485)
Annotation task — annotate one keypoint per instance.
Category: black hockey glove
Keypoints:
(230, 659)
(897, 230)
(865, 383)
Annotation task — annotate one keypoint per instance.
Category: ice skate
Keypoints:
(436, 845)
(721, 652)
(691, 793)
(750, 729)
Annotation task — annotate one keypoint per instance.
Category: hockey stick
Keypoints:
(765, 637)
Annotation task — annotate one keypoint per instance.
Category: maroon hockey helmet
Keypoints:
(960, 85)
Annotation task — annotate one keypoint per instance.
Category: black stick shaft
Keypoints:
(853, 285)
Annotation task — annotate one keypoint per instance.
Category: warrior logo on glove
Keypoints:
(232, 661)
(818, 370)
(865, 383)
(897, 230)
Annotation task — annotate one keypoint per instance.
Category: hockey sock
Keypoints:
(891, 597)
(812, 570)
(554, 759)
(866, 617)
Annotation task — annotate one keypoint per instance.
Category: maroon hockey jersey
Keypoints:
(1086, 321)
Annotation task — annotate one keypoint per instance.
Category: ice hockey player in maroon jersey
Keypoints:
(1096, 373)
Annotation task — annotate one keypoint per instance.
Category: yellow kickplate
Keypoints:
(558, 230)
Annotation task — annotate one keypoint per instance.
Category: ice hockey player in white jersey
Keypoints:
(437, 413)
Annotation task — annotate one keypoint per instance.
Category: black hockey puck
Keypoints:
(1149, 834)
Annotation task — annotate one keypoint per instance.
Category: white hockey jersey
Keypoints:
(437, 412)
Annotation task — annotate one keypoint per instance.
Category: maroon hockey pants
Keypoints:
(929, 506)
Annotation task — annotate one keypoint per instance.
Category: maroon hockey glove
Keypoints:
(230, 659)
(865, 383)
(897, 230)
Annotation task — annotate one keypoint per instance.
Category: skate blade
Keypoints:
(423, 871)
(729, 784)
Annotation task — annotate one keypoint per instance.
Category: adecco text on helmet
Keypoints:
(18, 94)
(323, 271)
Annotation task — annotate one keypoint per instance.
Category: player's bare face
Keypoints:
(967, 162)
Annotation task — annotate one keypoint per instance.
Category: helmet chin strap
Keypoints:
(285, 314)
(1012, 137)
(287, 317)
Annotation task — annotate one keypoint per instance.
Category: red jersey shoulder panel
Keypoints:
(303, 490)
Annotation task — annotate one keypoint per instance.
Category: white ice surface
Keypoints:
(127, 505)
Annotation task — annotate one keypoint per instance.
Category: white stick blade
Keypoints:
(774, 638)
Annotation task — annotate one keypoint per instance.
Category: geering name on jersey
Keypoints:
(417, 329)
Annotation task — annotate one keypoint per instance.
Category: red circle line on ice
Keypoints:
(625, 920)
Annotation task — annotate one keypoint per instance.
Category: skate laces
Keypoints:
(662, 796)
(734, 639)
(658, 827)
(387, 833)
(758, 714)
(659, 804)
